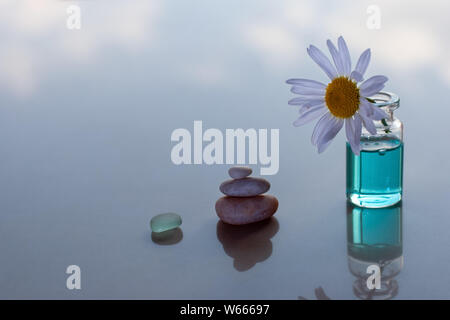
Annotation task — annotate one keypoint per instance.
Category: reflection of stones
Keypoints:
(248, 244)
(169, 237)
(244, 202)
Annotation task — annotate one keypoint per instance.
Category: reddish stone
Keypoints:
(238, 211)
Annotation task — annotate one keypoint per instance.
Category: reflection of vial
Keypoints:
(375, 177)
(374, 236)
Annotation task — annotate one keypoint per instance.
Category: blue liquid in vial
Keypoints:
(374, 235)
(374, 178)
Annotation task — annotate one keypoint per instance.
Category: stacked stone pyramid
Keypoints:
(245, 201)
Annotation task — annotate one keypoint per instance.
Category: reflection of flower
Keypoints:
(341, 100)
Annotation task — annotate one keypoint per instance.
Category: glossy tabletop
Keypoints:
(86, 118)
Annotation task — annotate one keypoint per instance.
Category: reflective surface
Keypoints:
(374, 238)
(86, 118)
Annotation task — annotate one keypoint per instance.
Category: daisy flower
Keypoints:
(344, 100)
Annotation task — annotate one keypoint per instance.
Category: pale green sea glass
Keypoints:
(165, 221)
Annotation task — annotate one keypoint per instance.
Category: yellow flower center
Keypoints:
(342, 97)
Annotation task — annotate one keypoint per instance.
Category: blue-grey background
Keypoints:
(85, 123)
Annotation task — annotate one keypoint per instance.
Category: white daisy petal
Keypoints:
(330, 123)
(365, 107)
(328, 134)
(368, 123)
(357, 125)
(349, 130)
(308, 91)
(324, 146)
(322, 61)
(371, 111)
(310, 115)
(355, 75)
(350, 133)
(345, 56)
(309, 106)
(306, 83)
(377, 113)
(336, 57)
(320, 125)
(372, 90)
(372, 85)
(306, 99)
(363, 62)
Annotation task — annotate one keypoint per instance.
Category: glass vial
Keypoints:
(375, 177)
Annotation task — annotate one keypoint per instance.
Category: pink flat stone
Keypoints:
(239, 211)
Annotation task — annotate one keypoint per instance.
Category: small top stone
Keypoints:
(239, 172)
